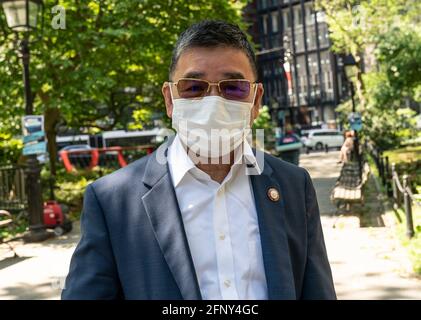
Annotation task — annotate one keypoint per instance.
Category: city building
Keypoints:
(304, 81)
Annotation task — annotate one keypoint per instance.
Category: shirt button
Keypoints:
(227, 283)
(221, 236)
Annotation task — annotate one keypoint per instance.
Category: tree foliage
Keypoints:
(388, 31)
(106, 45)
(394, 88)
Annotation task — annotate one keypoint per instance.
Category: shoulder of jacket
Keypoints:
(123, 176)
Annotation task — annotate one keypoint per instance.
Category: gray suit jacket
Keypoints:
(134, 246)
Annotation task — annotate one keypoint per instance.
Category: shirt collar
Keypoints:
(250, 158)
(180, 163)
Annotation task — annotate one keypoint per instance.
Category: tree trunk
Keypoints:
(360, 83)
(52, 116)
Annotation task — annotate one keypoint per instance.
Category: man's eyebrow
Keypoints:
(194, 75)
(201, 75)
(233, 75)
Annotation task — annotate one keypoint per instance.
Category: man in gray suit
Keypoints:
(205, 216)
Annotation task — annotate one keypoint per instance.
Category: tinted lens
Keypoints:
(235, 90)
(191, 88)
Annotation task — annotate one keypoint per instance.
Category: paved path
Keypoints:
(40, 271)
(367, 262)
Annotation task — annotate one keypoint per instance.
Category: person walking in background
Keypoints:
(347, 147)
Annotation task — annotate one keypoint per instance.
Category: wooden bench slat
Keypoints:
(349, 185)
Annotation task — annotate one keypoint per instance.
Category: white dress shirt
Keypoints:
(221, 225)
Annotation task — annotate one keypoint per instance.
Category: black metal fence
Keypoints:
(12, 188)
(382, 165)
(400, 193)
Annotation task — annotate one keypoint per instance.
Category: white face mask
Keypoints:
(212, 126)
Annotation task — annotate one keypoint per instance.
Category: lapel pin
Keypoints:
(273, 194)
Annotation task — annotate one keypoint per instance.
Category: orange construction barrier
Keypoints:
(95, 152)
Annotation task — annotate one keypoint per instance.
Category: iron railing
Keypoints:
(400, 193)
(13, 196)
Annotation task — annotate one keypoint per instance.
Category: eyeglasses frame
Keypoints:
(213, 84)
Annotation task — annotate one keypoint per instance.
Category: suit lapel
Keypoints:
(161, 205)
(271, 217)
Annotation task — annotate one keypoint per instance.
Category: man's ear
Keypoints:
(167, 98)
(257, 101)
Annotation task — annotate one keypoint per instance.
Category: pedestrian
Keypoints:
(197, 219)
(346, 148)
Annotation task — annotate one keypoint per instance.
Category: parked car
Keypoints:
(320, 139)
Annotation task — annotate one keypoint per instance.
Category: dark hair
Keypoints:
(213, 33)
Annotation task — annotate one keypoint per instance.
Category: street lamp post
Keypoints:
(22, 17)
(349, 64)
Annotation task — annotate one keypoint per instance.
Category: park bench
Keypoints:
(6, 220)
(348, 189)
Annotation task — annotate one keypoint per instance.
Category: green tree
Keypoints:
(354, 27)
(107, 45)
(388, 31)
(398, 54)
(393, 88)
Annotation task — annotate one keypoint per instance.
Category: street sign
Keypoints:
(355, 121)
(33, 135)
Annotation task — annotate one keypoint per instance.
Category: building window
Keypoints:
(287, 19)
(309, 13)
(323, 35)
(300, 44)
(298, 18)
(304, 84)
(315, 78)
(275, 41)
(275, 21)
(265, 23)
(328, 81)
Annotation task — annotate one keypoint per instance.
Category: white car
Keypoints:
(320, 139)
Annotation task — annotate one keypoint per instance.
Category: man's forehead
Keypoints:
(219, 62)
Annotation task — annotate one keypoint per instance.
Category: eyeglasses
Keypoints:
(232, 89)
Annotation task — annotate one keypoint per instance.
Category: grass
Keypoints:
(412, 245)
(404, 155)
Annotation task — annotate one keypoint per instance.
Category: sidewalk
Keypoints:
(367, 259)
(40, 270)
